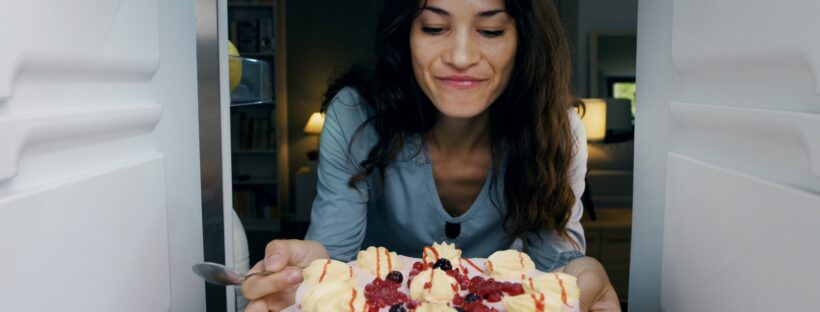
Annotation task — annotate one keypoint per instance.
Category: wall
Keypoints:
(324, 38)
(599, 15)
(610, 165)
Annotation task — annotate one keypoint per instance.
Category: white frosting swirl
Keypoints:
(433, 285)
(433, 307)
(509, 264)
(328, 271)
(532, 303)
(333, 297)
(556, 285)
(444, 250)
(378, 261)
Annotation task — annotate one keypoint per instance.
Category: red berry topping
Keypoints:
(494, 297)
(458, 300)
(382, 294)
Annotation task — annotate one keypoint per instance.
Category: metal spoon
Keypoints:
(218, 274)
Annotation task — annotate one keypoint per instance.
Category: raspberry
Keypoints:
(515, 290)
(381, 294)
(494, 297)
(395, 277)
(418, 266)
(443, 264)
(457, 299)
(477, 279)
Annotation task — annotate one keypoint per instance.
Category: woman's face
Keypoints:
(463, 53)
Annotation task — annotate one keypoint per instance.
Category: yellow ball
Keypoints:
(234, 66)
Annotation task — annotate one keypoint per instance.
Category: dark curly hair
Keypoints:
(538, 97)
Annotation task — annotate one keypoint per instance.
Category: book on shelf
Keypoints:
(267, 212)
(259, 137)
(235, 124)
(245, 204)
(252, 132)
(244, 130)
(247, 35)
(266, 39)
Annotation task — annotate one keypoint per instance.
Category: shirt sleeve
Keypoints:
(339, 212)
(550, 251)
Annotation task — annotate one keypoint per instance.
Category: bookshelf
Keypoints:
(257, 127)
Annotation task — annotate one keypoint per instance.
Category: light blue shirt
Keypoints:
(407, 213)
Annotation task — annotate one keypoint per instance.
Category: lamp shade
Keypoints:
(594, 119)
(315, 123)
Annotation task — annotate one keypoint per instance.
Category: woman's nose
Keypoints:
(463, 51)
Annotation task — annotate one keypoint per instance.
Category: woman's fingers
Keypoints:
(594, 284)
(608, 302)
(260, 286)
(281, 300)
(274, 302)
(282, 253)
(286, 258)
(257, 306)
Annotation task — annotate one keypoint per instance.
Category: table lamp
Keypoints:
(314, 127)
(594, 119)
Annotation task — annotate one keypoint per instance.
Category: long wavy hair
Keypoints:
(538, 98)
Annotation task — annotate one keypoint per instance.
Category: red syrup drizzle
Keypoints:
(424, 256)
(539, 302)
(521, 259)
(429, 285)
(473, 264)
(389, 264)
(351, 300)
(378, 261)
(461, 266)
(324, 271)
(489, 266)
(563, 291)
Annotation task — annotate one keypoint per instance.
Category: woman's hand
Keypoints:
(597, 293)
(277, 291)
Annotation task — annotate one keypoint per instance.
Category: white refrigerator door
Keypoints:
(727, 164)
(99, 165)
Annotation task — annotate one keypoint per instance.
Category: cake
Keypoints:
(441, 280)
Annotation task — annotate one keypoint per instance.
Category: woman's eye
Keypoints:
(432, 30)
(491, 33)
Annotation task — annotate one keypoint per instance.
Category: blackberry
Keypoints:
(443, 264)
(459, 309)
(397, 308)
(471, 297)
(395, 276)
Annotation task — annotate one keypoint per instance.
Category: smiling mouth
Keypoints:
(461, 83)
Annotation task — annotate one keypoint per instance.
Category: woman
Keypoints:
(463, 130)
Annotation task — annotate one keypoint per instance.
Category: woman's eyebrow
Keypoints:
(490, 13)
(443, 12)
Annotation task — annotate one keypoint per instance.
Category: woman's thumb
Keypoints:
(276, 256)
